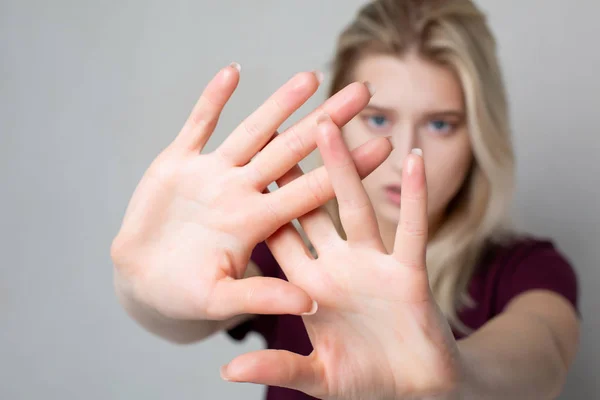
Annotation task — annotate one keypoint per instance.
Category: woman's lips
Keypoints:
(393, 194)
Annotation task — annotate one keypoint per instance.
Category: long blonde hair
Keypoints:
(453, 33)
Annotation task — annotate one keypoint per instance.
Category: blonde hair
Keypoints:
(453, 33)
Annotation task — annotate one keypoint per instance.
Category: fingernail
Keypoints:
(313, 310)
(411, 161)
(223, 372)
(370, 87)
(236, 66)
(319, 75)
(323, 118)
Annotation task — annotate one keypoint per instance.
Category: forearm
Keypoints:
(173, 330)
(514, 356)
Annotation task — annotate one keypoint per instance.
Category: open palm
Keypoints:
(378, 333)
(195, 216)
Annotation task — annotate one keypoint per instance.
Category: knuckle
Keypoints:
(202, 299)
(412, 264)
(292, 372)
(353, 205)
(413, 196)
(198, 304)
(254, 174)
(210, 103)
(199, 120)
(294, 142)
(321, 109)
(250, 297)
(206, 114)
(207, 308)
(273, 212)
(315, 187)
(414, 228)
(164, 170)
(279, 106)
(252, 128)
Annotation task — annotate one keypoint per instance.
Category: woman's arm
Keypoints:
(525, 352)
(174, 330)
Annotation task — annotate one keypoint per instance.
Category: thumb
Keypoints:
(258, 295)
(278, 368)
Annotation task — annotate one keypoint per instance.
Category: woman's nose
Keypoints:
(403, 141)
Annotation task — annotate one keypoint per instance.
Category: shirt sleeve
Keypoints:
(538, 265)
(262, 257)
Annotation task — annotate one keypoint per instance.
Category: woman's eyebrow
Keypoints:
(379, 108)
(447, 112)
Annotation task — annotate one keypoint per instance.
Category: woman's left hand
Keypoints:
(378, 332)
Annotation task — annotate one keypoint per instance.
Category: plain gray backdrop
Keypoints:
(91, 92)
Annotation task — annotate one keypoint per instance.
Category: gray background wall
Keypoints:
(90, 92)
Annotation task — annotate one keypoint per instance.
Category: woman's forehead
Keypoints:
(410, 84)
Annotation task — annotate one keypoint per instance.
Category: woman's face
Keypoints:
(419, 104)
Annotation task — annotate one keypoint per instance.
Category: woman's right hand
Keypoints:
(193, 219)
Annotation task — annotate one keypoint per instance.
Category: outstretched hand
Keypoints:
(194, 218)
(378, 333)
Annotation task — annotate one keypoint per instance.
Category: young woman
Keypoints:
(410, 287)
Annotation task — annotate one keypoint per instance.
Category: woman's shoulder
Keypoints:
(515, 248)
(521, 262)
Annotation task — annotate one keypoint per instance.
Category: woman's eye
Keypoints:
(440, 126)
(377, 121)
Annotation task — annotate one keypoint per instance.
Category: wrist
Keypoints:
(139, 310)
(179, 331)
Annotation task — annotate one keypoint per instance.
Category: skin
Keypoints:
(377, 332)
(375, 304)
(420, 105)
(177, 268)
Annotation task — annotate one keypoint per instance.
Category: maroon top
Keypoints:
(503, 272)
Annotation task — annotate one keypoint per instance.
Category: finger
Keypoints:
(257, 295)
(204, 116)
(290, 252)
(356, 212)
(411, 236)
(298, 141)
(317, 224)
(278, 368)
(314, 188)
(252, 134)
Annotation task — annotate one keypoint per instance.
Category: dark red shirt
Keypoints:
(503, 272)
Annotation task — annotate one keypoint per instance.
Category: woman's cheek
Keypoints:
(444, 182)
(353, 135)
(440, 176)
